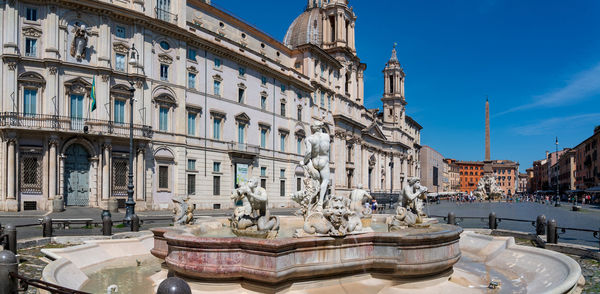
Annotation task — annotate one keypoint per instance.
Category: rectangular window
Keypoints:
(217, 128)
(30, 102)
(241, 129)
(299, 145)
(282, 143)
(322, 70)
(119, 115)
(282, 188)
(322, 99)
(191, 184)
(282, 173)
(282, 109)
(163, 119)
(30, 47)
(263, 102)
(119, 175)
(164, 72)
(216, 167)
(31, 172)
(216, 185)
(163, 177)
(329, 102)
(263, 171)
(263, 138)
(120, 62)
(217, 63)
(298, 184)
(191, 124)
(242, 71)
(120, 32)
(217, 88)
(31, 14)
(240, 95)
(263, 80)
(299, 114)
(191, 165)
(263, 183)
(191, 54)
(282, 88)
(191, 80)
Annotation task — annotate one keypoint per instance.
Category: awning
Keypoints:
(574, 191)
(593, 190)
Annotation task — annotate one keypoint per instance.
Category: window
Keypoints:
(165, 45)
(282, 173)
(120, 32)
(282, 188)
(282, 88)
(217, 128)
(30, 47)
(298, 184)
(263, 102)
(282, 109)
(29, 102)
(217, 63)
(31, 14)
(31, 172)
(322, 99)
(163, 119)
(329, 102)
(163, 177)
(263, 138)
(216, 167)
(299, 114)
(217, 88)
(191, 124)
(241, 131)
(191, 184)
(191, 165)
(241, 95)
(216, 185)
(119, 111)
(164, 72)
(191, 54)
(263, 171)
(282, 142)
(322, 70)
(263, 183)
(242, 71)
(299, 145)
(120, 62)
(191, 80)
(263, 80)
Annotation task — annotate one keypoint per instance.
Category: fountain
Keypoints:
(334, 244)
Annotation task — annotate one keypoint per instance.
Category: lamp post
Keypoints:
(557, 202)
(130, 203)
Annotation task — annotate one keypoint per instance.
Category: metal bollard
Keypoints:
(551, 233)
(451, 218)
(8, 264)
(540, 225)
(135, 223)
(107, 226)
(492, 221)
(47, 226)
(174, 285)
(11, 233)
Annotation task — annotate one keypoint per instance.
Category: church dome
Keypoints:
(306, 29)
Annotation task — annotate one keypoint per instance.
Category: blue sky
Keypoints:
(537, 61)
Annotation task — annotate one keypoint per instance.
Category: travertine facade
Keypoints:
(215, 101)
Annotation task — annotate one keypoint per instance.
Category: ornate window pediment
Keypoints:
(164, 58)
(243, 117)
(300, 133)
(32, 79)
(217, 113)
(242, 86)
(165, 99)
(192, 69)
(78, 86)
(121, 47)
(264, 94)
(264, 125)
(120, 90)
(32, 32)
(217, 78)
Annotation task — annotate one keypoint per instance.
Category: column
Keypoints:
(52, 172)
(106, 171)
(140, 174)
(11, 201)
(51, 32)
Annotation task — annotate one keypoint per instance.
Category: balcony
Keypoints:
(242, 150)
(165, 15)
(55, 123)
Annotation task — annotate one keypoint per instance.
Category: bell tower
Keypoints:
(393, 93)
(338, 23)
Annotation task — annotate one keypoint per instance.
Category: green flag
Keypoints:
(93, 95)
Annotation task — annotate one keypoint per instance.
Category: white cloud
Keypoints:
(582, 86)
(552, 125)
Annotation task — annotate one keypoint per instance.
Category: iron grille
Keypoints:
(31, 172)
(119, 181)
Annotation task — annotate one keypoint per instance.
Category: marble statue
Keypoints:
(316, 159)
(253, 218)
(358, 198)
(80, 40)
(409, 211)
(487, 187)
(335, 220)
(183, 213)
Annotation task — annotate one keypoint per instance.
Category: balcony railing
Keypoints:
(69, 124)
(165, 15)
(243, 149)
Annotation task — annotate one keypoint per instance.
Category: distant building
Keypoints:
(433, 170)
(507, 175)
(470, 172)
(566, 170)
(453, 175)
(588, 162)
(523, 180)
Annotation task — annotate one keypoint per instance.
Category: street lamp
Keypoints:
(130, 203)
(557, 203)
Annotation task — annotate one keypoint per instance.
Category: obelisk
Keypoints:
(487, 163)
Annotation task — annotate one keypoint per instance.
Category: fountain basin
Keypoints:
(414, 252)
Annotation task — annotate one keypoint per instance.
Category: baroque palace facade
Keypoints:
(216, 101)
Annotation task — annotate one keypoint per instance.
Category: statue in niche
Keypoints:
(80, 40)
(253, 218)
(183, 213)
(409, 211)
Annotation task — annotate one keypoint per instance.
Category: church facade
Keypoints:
(215, 101)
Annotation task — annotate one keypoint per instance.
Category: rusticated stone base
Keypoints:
(414, 252)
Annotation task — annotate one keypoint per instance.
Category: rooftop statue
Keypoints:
(253, 218)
